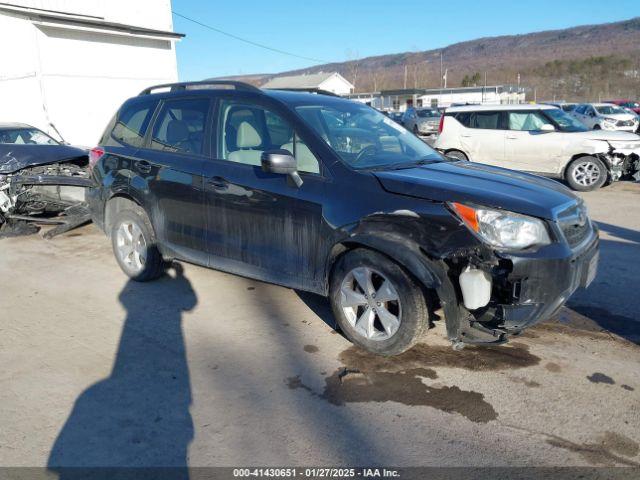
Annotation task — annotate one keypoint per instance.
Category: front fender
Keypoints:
(402, 251)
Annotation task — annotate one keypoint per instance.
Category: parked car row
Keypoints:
(322, 194)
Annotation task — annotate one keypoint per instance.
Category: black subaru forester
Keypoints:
(322, 194)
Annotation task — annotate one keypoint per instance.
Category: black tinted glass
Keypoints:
(180, 126)
(133, 121)
(486, 120)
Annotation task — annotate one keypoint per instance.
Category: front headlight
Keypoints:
(609, 120)
(503, 229)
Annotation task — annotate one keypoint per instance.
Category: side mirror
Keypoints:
(281, 162)
(547, 127)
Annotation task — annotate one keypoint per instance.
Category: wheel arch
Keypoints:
(405, 253)
(577, 156)
(117, 203)
(449, 150)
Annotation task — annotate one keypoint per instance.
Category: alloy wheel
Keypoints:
(370, 303)
(586, 174)
(131, 246)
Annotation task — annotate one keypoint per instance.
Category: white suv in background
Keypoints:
(606, 116)
(540, 139)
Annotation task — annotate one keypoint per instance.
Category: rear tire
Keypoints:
(586, 173)
(134, 245)
(457, 155)
(389, 324)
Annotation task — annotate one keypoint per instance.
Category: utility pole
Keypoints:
(441, 77)
(405, 76)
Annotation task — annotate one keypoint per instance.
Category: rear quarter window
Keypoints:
(132, 122)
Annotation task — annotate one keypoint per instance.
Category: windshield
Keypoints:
(364, 138)
(565, 122)
(609, 110)
(428, 113)
(26, 136)
(630, 104)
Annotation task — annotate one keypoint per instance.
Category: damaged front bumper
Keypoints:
(526, 288)
(623, 161)
(47, 194)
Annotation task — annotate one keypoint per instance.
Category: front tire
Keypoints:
(377, 304)
(586, 173)
(134, 245)
(457, 155)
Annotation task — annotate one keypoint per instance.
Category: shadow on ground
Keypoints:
(612, 301)
(139, 415)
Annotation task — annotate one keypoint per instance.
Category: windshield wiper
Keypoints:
(415, 163)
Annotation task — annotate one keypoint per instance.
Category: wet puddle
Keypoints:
(507, 357)
(405, 378)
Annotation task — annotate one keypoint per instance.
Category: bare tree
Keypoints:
(352, 66)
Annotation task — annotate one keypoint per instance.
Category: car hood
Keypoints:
(607, 135)
(480, 184)
(619, 116)
(16, 157)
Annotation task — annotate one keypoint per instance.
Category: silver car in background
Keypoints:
(421, 121)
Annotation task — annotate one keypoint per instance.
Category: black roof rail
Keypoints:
(319, 91)
(174, 87)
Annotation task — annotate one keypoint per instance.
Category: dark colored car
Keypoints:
(326, 195)
(41, 181)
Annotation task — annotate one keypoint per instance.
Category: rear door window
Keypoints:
(132, 122)
(485, 120)
(180, 126)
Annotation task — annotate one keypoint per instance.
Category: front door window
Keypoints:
(249, 130)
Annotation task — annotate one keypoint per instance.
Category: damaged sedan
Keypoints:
(42, 182)
(325, 195)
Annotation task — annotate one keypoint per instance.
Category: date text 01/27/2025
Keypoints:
(315, 473)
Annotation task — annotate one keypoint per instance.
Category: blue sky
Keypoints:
(335, 30)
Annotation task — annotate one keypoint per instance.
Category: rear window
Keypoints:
(133, 121)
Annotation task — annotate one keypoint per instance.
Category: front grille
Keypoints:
(575, 224)
(576, 233)
(625, 123)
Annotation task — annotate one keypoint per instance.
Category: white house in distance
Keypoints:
(401, 99)
(329, 82)
(67, 65)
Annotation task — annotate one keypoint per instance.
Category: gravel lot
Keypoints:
(204, 368)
